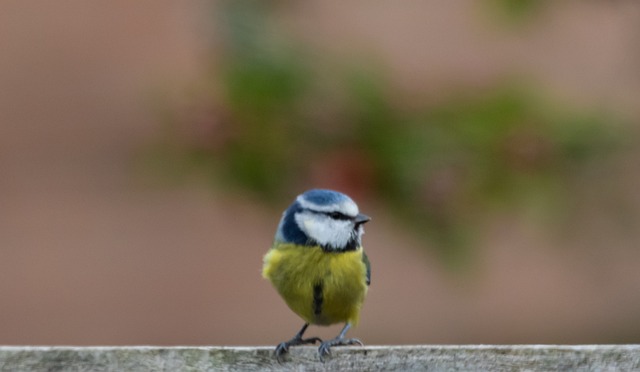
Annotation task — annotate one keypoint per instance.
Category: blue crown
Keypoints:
(324, 197)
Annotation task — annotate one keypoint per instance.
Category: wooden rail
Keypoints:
(373, 358)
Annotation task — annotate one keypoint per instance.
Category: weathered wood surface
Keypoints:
(374, 358)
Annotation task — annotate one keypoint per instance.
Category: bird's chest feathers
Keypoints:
(322, 287)
(295, 266)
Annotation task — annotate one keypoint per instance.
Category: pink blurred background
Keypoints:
(94, 250)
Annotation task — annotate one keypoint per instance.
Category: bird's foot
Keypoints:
(325, 347)
(283, 348)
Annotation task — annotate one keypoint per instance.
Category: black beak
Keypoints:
(362, 218)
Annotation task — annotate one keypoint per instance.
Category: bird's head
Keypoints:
(326, 218)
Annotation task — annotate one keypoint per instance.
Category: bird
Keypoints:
(318, 266)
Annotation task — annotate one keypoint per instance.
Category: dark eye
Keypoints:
(338, 216)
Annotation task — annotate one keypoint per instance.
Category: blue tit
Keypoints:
(318, 266)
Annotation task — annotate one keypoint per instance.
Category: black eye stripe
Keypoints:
(338, 216)
(334, 215)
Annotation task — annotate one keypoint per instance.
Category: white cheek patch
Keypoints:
(324, 230)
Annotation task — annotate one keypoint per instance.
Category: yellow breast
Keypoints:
(321, 287)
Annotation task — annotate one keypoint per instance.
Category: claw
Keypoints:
(325, 347)
(283, 348)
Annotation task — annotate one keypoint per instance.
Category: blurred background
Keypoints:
(147, 150)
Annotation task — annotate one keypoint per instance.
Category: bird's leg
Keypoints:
(325, 347)
(283, 347)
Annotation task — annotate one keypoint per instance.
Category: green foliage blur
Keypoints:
(273, 120)
(516, 11)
